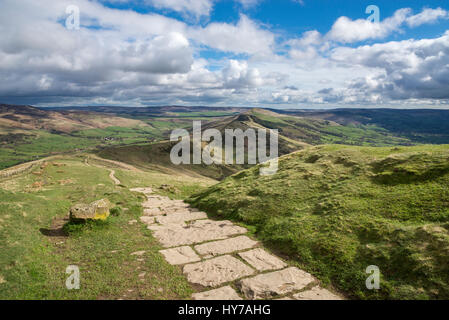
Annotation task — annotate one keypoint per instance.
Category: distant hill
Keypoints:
(335, 210)
(417, 125)
(31, 118)
(157, 112)
(28, 133)
(295, 133)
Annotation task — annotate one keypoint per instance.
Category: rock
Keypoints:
(181, 255)
(225, 246)
(132, 222)
(211, 273)
(138, 253)
(223, 293)
(196, 232)
(267, 285)
(316, 293)
(97, 210)
(169, 188)
(262, 260)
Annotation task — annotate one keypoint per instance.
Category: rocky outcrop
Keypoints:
(97, 210)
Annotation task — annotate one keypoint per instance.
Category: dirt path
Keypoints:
(111, 171)
(113, 177)
(220, 260)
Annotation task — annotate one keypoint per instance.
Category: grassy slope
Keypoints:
(32, 265)
(157, 156)
(315, 131)
(335, 210)
(295, 134)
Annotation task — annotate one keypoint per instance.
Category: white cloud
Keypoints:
(244, 37)
(197, 8)
(411, 69)
(248, 3)
(346, 30)
(238, 75)
(125, 57)
(428, 15)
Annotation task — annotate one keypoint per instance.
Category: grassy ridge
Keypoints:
(335, 210)
(316, 131)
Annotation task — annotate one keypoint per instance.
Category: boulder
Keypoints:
(97, 210)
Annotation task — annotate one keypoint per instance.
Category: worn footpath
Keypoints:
(219, 260)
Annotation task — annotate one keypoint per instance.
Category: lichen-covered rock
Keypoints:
(97, 210)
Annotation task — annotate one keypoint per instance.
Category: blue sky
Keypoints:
(274, 53)
(293, 18)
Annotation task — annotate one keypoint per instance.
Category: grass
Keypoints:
(36, 252)
(317, 132)
(157, 156)
(334, 210)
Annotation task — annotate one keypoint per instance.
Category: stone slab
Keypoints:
(267, 285)
(180, 218)
(195, 232)
(262, 260)
(213, 272)
(223, 293)
(153, 212)
(147, 220)
(225, 246)
(180, 255)
(316, 293)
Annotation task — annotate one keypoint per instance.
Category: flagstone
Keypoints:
(180, 255)
(225, 246)
(223, 293)
(267, 285)
(262, 260)
(213, 272)
(195, 232)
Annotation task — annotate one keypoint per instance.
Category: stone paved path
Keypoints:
(219, 259)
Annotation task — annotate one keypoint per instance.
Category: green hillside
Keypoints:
(335, 210)
(37, 243)
(319, 131)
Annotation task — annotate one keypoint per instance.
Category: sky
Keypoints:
(246, 53)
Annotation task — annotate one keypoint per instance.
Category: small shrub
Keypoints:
(116, 211)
